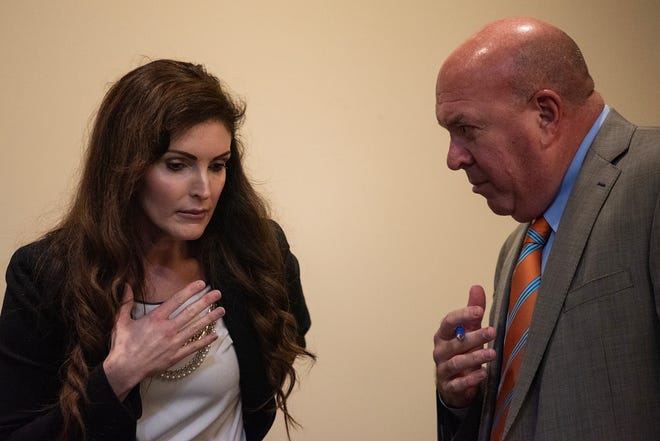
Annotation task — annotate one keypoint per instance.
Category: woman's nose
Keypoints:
(201, 187)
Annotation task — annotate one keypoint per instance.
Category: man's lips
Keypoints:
(476, 180)
(477, 184)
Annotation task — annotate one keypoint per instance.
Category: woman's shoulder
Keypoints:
(37, 253)
(26, 257)
(32, 322)
(279, 235)
(33, 268)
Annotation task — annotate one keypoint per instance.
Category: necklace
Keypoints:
(197, 360)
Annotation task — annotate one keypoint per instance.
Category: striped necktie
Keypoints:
(524, 288)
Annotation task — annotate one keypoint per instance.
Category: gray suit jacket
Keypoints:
(591, 370)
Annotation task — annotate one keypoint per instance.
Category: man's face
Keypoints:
(494, 137)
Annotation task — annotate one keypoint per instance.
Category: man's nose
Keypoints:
(458, 157)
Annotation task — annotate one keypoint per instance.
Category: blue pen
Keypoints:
(460, 333)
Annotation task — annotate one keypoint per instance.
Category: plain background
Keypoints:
(341, 138)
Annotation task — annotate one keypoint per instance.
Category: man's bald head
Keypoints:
(528, 55)
(517, 100)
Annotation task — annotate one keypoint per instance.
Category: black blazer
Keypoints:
(33, 348)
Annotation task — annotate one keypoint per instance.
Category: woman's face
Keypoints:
(182, 188)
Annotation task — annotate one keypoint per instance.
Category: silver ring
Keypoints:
(460, 333)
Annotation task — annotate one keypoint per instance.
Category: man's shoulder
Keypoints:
(617, 123)
(643, 157)
(628, 146)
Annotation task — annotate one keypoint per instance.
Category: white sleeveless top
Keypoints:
(205, 405)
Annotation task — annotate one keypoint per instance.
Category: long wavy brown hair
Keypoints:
(98, 247)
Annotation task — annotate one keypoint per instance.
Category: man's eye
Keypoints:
(466, 131)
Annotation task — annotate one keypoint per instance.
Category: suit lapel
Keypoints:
(594, 182)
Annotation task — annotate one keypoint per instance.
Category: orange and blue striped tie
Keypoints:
(522, 298)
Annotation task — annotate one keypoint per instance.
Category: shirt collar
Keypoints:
(554, 212)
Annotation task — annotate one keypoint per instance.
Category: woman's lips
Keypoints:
(193, 214)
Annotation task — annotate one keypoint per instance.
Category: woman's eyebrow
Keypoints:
(224, 155)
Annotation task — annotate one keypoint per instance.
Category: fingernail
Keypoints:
(490, 333)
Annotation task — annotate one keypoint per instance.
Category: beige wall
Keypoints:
(342, 139)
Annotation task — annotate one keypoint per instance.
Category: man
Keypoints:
(539, 143)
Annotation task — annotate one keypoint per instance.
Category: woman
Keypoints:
(113, 326)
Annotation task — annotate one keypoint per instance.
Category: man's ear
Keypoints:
(548, 104)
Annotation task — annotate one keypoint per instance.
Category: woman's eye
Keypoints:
(175, 165)
(218, 166)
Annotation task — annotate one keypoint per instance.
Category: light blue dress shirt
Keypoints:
(554, 213)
